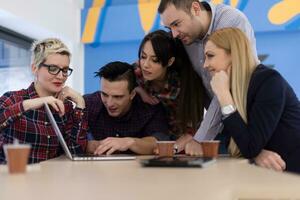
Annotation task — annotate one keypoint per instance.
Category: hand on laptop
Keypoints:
(92, 145)
(111, 144)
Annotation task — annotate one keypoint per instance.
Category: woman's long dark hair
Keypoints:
(190, 100)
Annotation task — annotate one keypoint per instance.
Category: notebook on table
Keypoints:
(81, 157)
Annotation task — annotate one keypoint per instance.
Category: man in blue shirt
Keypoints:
(118, 119)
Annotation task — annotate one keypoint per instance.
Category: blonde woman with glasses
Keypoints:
(261, 112)
(22, 114)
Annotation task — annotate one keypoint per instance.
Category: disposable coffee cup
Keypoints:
(210, 148)
(17, 157)
(165, 148)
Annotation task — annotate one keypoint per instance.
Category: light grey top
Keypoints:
(222, 16)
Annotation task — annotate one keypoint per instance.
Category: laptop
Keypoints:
(81, 157)
(178, 161)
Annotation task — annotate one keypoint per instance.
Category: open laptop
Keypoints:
(82, 157)
(178, 161)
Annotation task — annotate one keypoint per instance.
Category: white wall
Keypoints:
(39, 19)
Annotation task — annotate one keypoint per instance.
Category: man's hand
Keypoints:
(193, 148)
(92, 146)
(182, 141)
(270, 160)
(111, 144)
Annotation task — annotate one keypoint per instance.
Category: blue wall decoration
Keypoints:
(113, 29)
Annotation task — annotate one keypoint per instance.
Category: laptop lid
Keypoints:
(83, 157)
(57, 132)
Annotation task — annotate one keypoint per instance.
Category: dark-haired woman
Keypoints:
(166, 75)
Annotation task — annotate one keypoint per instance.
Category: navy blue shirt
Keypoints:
(273, 113)
(140, 121)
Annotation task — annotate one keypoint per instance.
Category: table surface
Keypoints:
(228, 178)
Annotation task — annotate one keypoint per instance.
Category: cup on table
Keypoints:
(165, 148)
(17, 157)
(210, 148)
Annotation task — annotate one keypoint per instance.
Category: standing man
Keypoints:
(192, 21)
(118, 119)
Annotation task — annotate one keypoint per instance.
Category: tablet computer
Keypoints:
(178, 161)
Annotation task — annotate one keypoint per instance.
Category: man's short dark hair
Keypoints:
(117, 71)
(184, 5)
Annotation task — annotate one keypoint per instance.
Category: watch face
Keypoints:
(226, 110)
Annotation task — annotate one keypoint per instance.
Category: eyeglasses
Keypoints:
(54, 69)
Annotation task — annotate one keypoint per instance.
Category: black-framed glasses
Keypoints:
(54, 69)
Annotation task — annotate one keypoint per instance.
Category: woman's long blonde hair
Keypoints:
(236, 43)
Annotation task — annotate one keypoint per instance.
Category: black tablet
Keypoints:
(177, 161)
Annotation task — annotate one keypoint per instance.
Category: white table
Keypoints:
(126, 180)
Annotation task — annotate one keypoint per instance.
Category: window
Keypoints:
(15, 72)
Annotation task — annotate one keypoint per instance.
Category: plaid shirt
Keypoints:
(168, 96)
(140, 121)
(34, 127)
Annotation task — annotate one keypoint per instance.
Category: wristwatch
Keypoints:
(228, 109)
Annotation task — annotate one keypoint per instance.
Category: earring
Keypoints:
(35, 79)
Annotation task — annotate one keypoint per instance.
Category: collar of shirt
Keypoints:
(32, 92)
(212, 8)
(171, 88)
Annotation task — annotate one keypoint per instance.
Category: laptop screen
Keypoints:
(57, 131)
